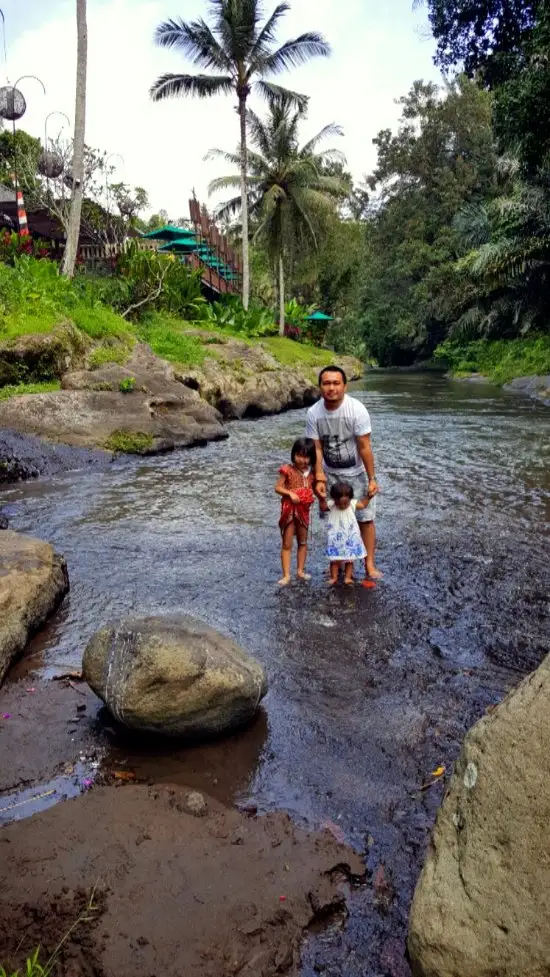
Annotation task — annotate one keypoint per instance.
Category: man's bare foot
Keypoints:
(283, 582)
(304, 576)
(374, 574)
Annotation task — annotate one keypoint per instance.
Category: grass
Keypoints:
(167, 338)
(129, 443)
(290, 353)
(108, 354)
(33, 965)
(17, 390)
(500, 360)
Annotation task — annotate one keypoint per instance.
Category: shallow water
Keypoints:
(369, 690)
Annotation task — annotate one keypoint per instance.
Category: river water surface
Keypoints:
(369, 690)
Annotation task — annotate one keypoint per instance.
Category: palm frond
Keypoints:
(233, 159)
(284, 97)
(223, 183)
(178, 86)
(294, 53)
(228, 209)
(472, 225)
(195, 40)
(267, 35)
(326, 132)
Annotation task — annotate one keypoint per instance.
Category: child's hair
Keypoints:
(306, 448)
(341, 490)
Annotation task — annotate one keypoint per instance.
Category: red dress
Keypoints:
(302, 484)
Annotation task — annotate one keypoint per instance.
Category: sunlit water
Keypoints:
(368, 690)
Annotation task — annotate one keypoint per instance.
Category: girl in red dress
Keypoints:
(295, 486)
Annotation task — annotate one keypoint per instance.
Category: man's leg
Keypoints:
(368, 534)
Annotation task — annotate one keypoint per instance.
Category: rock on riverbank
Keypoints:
(173, 675)
(482, 904)
(33, 582)
(536, 387)
(101, 409)
(243, 380)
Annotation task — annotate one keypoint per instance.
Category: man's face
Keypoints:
(333, 387)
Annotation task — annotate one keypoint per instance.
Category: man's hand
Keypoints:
(321, 489)
(373, 488)
(294, 498)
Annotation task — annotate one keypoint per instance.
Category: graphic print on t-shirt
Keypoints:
(338, 453)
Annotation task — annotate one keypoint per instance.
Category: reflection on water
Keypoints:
(368, 690)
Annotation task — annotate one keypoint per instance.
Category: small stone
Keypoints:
(194, 803)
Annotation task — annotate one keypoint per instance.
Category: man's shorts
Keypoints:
(360, 486)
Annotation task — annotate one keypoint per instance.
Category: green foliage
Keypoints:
(16, 390)
(441, 159)
(500, 360)
(230, 315)
(127, 385)
(129, 442)
(149, 281)
(28, 149)
(167, 338)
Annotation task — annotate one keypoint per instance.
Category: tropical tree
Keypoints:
(73, 231)
(238, 47)
(289, 194)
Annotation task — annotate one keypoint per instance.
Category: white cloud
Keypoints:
(376, 56)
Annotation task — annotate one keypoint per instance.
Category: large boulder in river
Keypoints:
(173, 675)
(33, 581)
(482, 904)
(138, 408)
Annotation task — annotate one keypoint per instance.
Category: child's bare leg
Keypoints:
(301, 534)
(368, 533)
(286, 554)
(334, 571)
(348, 573)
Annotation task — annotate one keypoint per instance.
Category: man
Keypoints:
(341, 428)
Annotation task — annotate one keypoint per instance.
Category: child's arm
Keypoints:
(363, 503)
(284, 492)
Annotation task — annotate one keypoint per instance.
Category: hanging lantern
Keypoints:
(126, 206)
(51, 165)
(12, 104)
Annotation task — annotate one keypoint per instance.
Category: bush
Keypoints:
(229, 314)
(127, 385)
(14, 246)
(152, 281)
(500, 360)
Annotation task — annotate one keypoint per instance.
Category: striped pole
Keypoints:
(22, 215)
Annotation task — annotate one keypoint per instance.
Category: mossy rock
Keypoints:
(40, 357)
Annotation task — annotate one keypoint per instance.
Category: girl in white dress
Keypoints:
(344, 542)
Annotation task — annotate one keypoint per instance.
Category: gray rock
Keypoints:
(533, 386)
(173, 675)
(33, 582)
(44, 356)
(160, 413)
(482, 904)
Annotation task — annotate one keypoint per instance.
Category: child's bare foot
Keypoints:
(283, 582)
(304, 576)
(332, 583)
(374, 574)
(350, 582)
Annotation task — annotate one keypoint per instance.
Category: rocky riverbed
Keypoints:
(369, 692)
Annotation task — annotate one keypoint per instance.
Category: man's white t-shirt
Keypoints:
(338, 430)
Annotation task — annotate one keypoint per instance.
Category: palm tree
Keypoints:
(241, 52)
(73, 230)
(290, 192)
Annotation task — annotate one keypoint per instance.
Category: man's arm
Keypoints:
(364, 446)
(320, 477)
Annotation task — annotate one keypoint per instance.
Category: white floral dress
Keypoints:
(344, 536)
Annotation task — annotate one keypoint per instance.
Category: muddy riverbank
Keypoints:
(369, 691)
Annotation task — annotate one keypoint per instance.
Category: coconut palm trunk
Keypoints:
(73, 230)
(244, 202)
(281, 296)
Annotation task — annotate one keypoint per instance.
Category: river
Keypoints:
(369, 690)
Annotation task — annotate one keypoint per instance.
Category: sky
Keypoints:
(379, 48)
